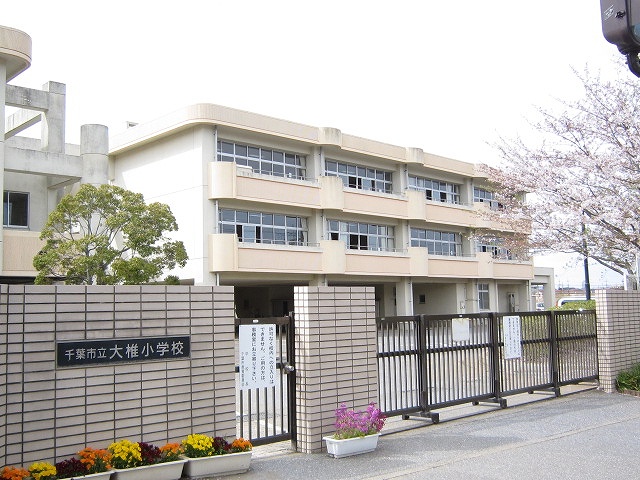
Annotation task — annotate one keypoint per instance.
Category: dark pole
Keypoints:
(587, 283)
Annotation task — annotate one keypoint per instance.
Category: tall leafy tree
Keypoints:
(107, 235)
(581, 177)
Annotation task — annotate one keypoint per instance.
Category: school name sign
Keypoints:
(82, 353)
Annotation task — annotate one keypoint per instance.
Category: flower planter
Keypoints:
(227, 464)
(351, 446)
(91, 476)
(157, 471)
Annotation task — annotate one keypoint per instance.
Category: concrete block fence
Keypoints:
(618, 314)
(49, 413)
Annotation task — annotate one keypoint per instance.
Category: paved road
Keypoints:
(586, 435)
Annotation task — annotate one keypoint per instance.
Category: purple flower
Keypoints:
(351, 423)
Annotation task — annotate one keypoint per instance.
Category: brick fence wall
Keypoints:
(336, 346)
(49, 413)
(618, 314)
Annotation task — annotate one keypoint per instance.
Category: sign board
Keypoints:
(81, 353)
(512, 337)
(460, 330)
(257, 351)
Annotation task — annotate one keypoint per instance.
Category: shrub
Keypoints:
(629, 379)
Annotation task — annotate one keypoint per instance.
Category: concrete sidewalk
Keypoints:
(586, 435)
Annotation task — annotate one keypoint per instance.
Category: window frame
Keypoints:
(263, 227)
(484, 298)
(435, 189)
(7, 208)
(435, 241)
(360, 177)
(362, 236)
(263, 160)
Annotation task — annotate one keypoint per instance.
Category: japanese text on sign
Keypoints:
(98, 352)
(257, 347)
(512, 337)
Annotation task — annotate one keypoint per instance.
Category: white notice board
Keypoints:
(512, 337)
(257, 349)
(460, 330)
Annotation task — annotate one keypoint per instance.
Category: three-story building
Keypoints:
(265, 204)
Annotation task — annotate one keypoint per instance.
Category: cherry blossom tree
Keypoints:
(578, 187)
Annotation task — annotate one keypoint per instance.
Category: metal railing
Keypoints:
(425, 363)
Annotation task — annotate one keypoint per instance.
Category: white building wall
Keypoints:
(170, 171)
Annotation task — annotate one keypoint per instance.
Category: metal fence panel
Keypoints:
(399, 365)
(577, 346)
(428, 362)
(533, 370)
(458, 364)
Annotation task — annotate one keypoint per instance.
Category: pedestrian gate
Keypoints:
(265, 414)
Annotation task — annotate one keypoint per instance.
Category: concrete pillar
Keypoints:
(404, 297)
(53, 121)
(315, 164)
(94, 151)
(336, 345)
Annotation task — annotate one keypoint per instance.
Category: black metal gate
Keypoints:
(422, 367)
(267, 414)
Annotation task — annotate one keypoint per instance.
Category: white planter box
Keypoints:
(157, 471)
(91, 476)
(228, 464)
(351, 446)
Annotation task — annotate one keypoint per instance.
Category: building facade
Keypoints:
(37, 169)
(266, 204)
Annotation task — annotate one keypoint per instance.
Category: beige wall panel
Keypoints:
(19, 249)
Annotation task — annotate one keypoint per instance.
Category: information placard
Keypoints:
(257, 349)
(79, 353)
(512, 337)
(460, 330)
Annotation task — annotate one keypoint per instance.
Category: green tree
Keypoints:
(107, 235)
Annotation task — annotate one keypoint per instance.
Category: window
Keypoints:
(495, 249)
(483, 296)
(263, 160)
(435, 190)
(258, 227)
(437, 243)
(485, 196)
(356, 176)
(362, 236)
(15, 209)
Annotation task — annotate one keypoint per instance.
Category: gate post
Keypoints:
(495, 367)
(554, 354)
(336, 357)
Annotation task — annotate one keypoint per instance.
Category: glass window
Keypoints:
(436, 190)
(258, 227)
(437, 243)
(15, 209)
(485, 196)
(362, 236)
(356, 176)
(263, 160)
(483, 296)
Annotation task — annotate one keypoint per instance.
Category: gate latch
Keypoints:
(288, 368)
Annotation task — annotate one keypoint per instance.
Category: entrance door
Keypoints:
(265, 400)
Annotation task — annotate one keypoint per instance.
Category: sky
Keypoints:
(447, 77)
